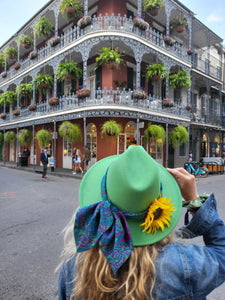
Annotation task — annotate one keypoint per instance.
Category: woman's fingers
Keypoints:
(186, 183)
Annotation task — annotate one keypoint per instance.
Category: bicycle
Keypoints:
(195, 169)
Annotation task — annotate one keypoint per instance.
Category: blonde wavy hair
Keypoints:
(95, 279)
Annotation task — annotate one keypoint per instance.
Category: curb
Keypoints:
(55, 173)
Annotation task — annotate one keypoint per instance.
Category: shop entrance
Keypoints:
(67, 151)
(92, 142)
(126, 139)
(11, 152)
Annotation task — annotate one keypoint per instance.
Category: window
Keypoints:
(182, 150)
(203, 105)
(194, 102)
(216, 108)
(211, 106)
(177, 95)
(194, 59)
(130, 76)
(219, 73)
(206, 66)
(130, 14)
(98, 78)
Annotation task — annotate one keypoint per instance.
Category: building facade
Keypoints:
(116, 25)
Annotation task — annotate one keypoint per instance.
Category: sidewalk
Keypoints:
(38, 169)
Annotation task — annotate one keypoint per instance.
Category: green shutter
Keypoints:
(98, 76)
(130, 76)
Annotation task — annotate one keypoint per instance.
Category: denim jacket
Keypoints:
(183, 272)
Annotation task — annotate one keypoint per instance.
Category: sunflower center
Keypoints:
(157, 213)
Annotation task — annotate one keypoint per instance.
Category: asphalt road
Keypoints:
(33, 212)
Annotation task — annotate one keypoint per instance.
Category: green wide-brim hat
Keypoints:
(134, 181)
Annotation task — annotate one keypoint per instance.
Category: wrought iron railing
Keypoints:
(101, 23)
(99, 98)
(202, 117)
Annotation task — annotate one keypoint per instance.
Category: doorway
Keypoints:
(67, 151)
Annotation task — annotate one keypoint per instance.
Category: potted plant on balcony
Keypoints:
(156, 72)
(110, 58)
(169, 40)
(53, 101)
(11, 53)
(189, 52)
(152, 6)
(3, 116)
(178, 134)
(54, 40)
(44, 137)
(84, 21)
(70, 131)
(25, 90)
(180, 79)
(26, 41)
(32, 107)
(71, 9)
(16, 112)
(43, 27)
(155, 131)
(2, 61)
(167, 102)
(83, 93)
(139, 94)
(9, 97)
(10, 137)
(121, 85)
(33, 54)
(140, 23)
(188, 107)
(25, 137)
(4, 74)
(179, 23)
(16, 65)
(43, 81)
(68, 70)
(111, 128)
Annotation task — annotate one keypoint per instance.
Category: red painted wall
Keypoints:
(112, 6)
(108, 76)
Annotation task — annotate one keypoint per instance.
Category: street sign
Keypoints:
(141, 125)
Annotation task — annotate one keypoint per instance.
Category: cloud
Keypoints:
(214, 18)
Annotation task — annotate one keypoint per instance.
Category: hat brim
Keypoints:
(90, 192)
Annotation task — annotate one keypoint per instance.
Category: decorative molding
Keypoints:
(99, 114)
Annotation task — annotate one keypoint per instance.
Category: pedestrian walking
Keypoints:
(44, 160)
(119, 244)
(78, 160)
(87, 156)
(74, 161)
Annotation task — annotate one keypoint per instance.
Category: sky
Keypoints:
(15, 13)
(210, 13)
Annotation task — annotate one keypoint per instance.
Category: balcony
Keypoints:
(203, 118)
(98, 98)
(99, 24)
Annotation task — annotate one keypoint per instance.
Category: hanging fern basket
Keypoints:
(111, 128)
(44, 137)
(178, 136)
(25, 137)
(10, 137)
(155, 131)
(70, 131)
